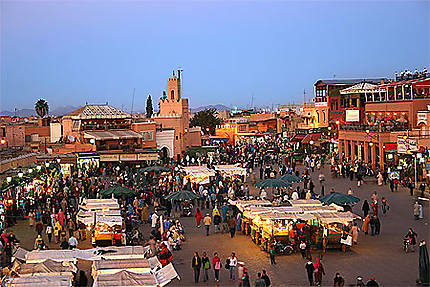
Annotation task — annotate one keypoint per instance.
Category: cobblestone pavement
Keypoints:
(380, 256)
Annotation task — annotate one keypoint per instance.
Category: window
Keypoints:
(172, 94)
(150, 135)
(143, 136)
(323, 113)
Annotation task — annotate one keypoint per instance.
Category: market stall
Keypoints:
(232, 171)
(305, 220)
(103, 218)
(65, 280)
(125, 277)
(198, 174)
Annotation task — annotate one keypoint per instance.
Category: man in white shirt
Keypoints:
(73, 242)
(295, 195)
(154, 219)
(232, 265)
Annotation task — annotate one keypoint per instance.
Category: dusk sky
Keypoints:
(71, 52)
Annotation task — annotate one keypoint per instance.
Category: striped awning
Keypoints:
(112, 135)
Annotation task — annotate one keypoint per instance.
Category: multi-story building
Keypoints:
(391, 111)
(328, 104)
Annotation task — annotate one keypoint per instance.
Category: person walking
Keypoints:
(302, 248)
(217, 219)
(372, 282)
(372, 225)
(365, 208)
(207, 222)
(384, 205)
(49, 232)
(216, 264)
(319, 271)
(198, 216)
(365, 226)
(416, 210)
(196, 265)
(244, 280)
(377, 225)
(354, 231)
(310, 269)
(232, 226)
(206, 266)
(272, 255)
(259, 282)
(266, 278)
(232, 263)
(338, 281)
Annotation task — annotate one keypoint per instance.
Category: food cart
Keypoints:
(309, 221)
(234, 172)
(103, 218)
(198, 174)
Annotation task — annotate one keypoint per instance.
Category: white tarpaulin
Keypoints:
(126, 278)
(65, 280)
(231, 170)
(112, 252)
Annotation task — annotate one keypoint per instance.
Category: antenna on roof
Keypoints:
(132, 104)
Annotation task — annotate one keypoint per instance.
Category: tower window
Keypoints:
(172, 94)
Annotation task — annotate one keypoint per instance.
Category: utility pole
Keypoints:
(132, 104)
(304, 96)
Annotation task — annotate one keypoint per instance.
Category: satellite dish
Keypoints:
(71, 138)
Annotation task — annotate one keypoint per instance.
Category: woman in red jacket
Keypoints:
(199, 217)
(216, 264)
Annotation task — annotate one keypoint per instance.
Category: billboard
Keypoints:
(352, 116)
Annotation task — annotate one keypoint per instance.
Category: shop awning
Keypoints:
(390, 147)
(297, 138)
(311, 137)
(112, 135)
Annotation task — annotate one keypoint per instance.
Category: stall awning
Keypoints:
(311, 137)
(112, 135)
(297, 138)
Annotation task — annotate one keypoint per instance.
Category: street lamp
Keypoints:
(20, 174)
(38, 167)
(30, 170)
(311, 142)
(47, 164)
(8, 179)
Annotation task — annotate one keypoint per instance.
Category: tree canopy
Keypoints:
(149, 108)
(207, 120)
(41, 108)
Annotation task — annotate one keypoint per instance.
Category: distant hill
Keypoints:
(218, 107)
(60, 111)
(19, 113)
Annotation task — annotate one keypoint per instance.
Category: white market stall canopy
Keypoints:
(126, 278)
(135, 265)
(298, 211)
(99, 204)
(46, 268)
(231, 170)
(104, 210)
(198, 174)
(112, 252)
(64, 280)
(243, 204)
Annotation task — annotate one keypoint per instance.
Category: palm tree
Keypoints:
(41, 108)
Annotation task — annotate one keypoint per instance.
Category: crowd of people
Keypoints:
(53, 204)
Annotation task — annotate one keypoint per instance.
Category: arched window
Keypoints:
(172, 94)
(323, 113)
(318, 117)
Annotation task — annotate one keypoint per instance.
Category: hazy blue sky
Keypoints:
(96, 51)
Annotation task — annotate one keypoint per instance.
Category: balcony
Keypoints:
(375, 128)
